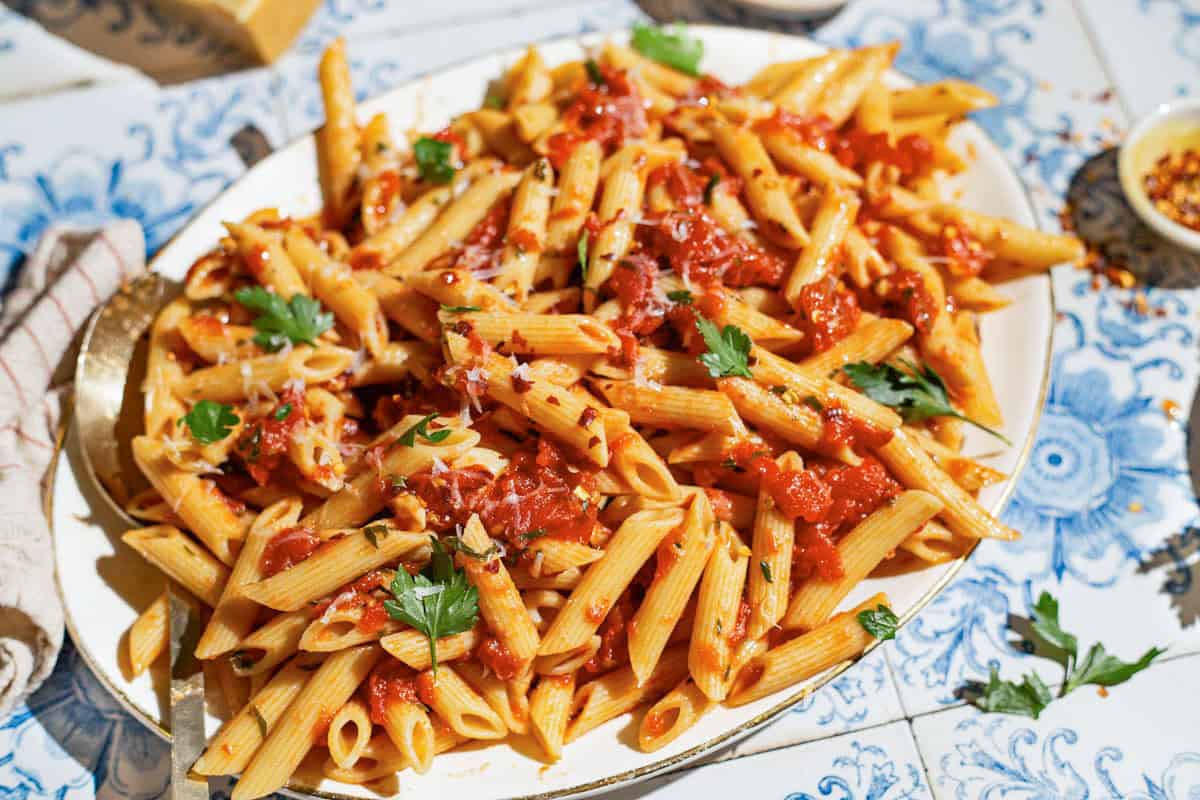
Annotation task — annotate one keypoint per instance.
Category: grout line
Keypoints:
(1109, 73)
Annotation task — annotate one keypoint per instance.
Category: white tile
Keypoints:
(880, 763)
(1140, 741)
(1151, 47)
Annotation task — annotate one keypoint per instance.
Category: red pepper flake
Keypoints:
(587, 417)
(554, 401)
(520, 385)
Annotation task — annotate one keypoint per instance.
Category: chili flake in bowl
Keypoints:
(1159, 166)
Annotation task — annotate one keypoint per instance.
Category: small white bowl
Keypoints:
(788, 10)
(1171, 127)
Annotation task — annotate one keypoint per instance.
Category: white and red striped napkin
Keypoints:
(63, 280)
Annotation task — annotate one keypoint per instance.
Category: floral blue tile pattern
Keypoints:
(1105, 502)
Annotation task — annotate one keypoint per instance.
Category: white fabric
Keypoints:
(62, 282)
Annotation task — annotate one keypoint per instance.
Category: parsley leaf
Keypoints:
(260, 719)
(1027, 698)
(467, 550)
(434, 159)
(581, 251)
(672, 47)
(210, 421)
(283, 412)
(593, 72)
(714, 181)
(1101, 669)
(493, 100)
(374, 533)
(681, 296)
(438, 602)
(536, 533)
(1031, 696)
(880, 622)
(917, 394)
(421, 428)
(460, 309)
(728, 349)
(300, 320)
(766, 571)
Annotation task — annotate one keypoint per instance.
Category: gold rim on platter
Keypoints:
(704, 748)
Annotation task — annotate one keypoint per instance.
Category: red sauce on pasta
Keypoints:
(498, 658)
(903, 294)
(535, 494)
(614, 635)
(668, 553)
(797, 493)
(842, 428)
(738, 634)
(388, 182)
(911, 154)
(390, 682)
(608, 112)
(286, 549)
(826, 314)
(701, 251)
(656, 724)
(263, 443)
(964, 254)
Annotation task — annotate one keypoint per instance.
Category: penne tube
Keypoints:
(270, 645)
(672, 406)
(872, 342)
(540, 334)
(148, 636)
(835, 216)
(771, 547)
(172, 552)
(624, 187)
(604, 580)
(455, 223)
(458, 705)
(349, 733)
(233, 616)
(671, 716)
(577, 183)
(236, 743)
(905, 459)
(842, 95)
(337, 140)
(550, 710)
(266, 375)
(743, 150)
(556, 555)
(718, 606)
(408, 727)
(861, 550)
(266, 260)
(337, 563)
(526, 236)
(353, 304)
(801, 90)
(679, 563)
(618, 692)
(293, 735)
(510, 703)
(499, 601)
(789, 152)
(953, 97)
(412, 647)
(772, 370)
(828, 645)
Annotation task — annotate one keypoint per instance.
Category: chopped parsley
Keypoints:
(434, 159)
(283, 412)
(681, 296)
(670, 46)
(918, 393)
(728, 349)
(300, 320)
(714, 181)
(421, 428)
(881, 622)
(374, 533)
(438, 602)
(581, 252)
(1031, 696)
(460, 309)
(766, 571)
(210, 421)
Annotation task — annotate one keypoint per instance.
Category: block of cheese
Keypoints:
(262, 29)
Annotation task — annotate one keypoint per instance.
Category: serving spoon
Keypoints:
(108, 412)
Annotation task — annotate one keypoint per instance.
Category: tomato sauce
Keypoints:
(740, 625)
(722, 504)
(498, 658)
(964, 254)
(257, 260)
(701, 251)
(856, 492)
(388, 182)
(826, 314)
(607, 112)
(535, 492)
(263, 443)
(911, 154)
(903, 294)
(286, 549)
(668, 553)
(797, 493)
(483, 244)
(841, 428)
(614, 635)
(390, 682)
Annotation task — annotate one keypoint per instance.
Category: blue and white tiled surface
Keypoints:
(1106, 504)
